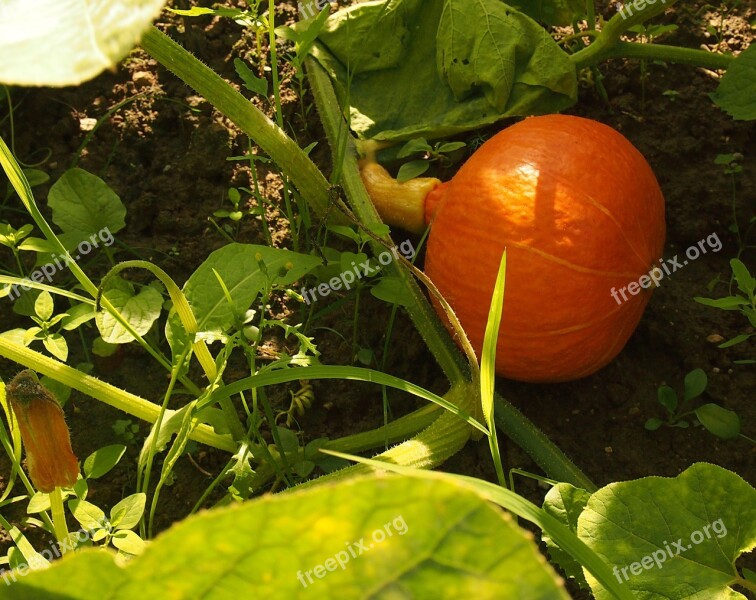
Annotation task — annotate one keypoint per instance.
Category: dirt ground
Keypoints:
(166, 152)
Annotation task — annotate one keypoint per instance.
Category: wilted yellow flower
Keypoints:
(49, 457)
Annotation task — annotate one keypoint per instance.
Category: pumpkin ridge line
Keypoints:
(569, 265)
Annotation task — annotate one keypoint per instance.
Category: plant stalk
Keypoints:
(284, 151)
(59, 519)
(608, 45)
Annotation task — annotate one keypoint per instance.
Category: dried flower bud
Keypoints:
(49, 457)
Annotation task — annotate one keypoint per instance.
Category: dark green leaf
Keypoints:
(428, 68)
(736, 94)
(734, 341)
(251, 81)
(412, 169)
(103, 460)
(723, 423)
(695, 384)
(667, 398)
(413, 147)
(746, 283)
(726, 303)
(565, 502)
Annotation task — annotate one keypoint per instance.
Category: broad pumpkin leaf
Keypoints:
(736, 92)
(141, 310)
(672, 537)
(427, 68)
(83, 205)
(565, 503)
(245, 270)
(378, 536)
(66, 42)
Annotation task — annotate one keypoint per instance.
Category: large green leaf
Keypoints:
(378, 536)
(673, 538)
(736, 93)
(83, 205)
(565, 503)
(244, 269)
(433, 68)
(141, 310)
(66, 42)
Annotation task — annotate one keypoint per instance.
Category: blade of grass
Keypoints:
(488, 366)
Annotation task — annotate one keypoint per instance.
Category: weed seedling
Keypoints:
(723, 423)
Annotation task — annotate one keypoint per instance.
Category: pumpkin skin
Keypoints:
(579, 212)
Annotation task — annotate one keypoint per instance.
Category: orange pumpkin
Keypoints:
(49, 457)
(581, 216)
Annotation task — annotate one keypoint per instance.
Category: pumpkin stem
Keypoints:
(399, 204)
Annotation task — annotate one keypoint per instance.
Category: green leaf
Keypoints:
(77, 315)
(126, 514)
(746, 283)
(405, 536)
(695, 384)
(82, 205)
(736, 92)
(392, 290)
(412, 169)
(451, 147)
(103, 460)
(289, 440)
(34, 244)
(345, 231)
(251, 81)
(414, 146)
(36, 177)
(56, 345)
(89, 516)
(66, 42)
(140, 310)
(39, 502)
(738, 339)
(653, 424)
(129, 541)
(43, 305)
(723, 423)
(727, 303)
(410, 68)
(672, 538)
(238, 267)
(565, 502)
(667, 398)
(102, 348)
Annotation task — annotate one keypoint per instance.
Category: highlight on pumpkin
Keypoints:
(49, 457)
(574, 226)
